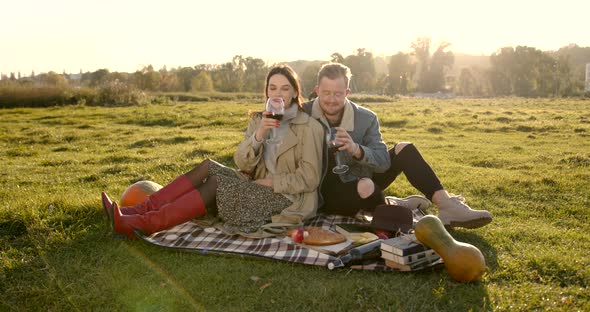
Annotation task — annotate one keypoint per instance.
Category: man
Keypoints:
(371, 166)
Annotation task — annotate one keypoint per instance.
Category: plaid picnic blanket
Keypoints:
(192, 236)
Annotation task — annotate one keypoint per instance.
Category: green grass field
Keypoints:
(525, 160)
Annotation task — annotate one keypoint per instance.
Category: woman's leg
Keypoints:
(175, 189)
(208, 192)
(182, 209)
(189, 206)
(199, 173)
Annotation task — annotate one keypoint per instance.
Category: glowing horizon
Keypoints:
(124, 36)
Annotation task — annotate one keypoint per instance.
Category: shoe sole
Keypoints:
(471, 224)
(106, 210)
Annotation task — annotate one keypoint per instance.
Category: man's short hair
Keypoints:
(334, 71)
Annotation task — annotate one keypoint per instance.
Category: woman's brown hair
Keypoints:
(291, 75)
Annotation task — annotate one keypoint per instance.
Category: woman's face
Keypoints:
(279, 87)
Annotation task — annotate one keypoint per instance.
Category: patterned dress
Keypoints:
(243, 205)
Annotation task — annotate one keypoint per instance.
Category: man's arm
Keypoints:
(374, 150)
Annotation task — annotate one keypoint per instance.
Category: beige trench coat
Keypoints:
(298, 170)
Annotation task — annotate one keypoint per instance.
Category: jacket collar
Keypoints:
(347, 117)
(300, 118)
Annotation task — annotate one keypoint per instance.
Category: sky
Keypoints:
(126, 35)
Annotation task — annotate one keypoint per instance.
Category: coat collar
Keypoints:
(300, 118)
(347, 117)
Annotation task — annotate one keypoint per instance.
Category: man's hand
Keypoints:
(348, 144)
(265, 182)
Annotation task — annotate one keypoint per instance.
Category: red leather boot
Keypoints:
(106, 205)
(183, 209)
(180, 186)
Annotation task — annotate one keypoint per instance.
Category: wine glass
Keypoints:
(276, 108)
(333, 147)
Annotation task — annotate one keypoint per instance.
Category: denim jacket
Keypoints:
(363, 126)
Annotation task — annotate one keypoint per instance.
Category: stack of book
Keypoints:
(405, 253)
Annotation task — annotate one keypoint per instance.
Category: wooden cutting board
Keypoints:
(320, 237)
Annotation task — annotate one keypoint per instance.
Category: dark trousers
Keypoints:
(343, 198)
(415, 168)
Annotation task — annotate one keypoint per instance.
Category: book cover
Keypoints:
(414, 266)
(423, 255)
(348, 228)
(403, 245)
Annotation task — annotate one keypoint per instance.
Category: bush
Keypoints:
(210, 96)
(28, 95)
(117, 93)
(370, 98)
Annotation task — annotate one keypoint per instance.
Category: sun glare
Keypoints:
(65, 35)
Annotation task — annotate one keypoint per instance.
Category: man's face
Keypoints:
(332, 94)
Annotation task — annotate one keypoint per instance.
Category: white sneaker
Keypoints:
(412, 202)
(453, 212)
(417, 203)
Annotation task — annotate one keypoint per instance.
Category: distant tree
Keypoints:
(202, 82)
(169, 82)
(254, 74)
(337, 58)
(206, 67)
(185, 76)
(19, 75)
(440, 63)
(566, 83)
(381, 83)
(163, 71)
(98, 77)
(362, 66)
(432, 69)
(400, 73)
(53, 79)
(421, 48)
(527, 71)
(466, 84)
(309, 80)
(229, 77)
(577, 58)
(151, 78)
(117, 76)
(12, 77)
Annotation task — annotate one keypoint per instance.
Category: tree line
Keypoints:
(521, 71)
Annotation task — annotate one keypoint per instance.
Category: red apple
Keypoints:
(382, 234)
(298, 235)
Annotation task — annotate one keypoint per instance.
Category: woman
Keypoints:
(276, 185)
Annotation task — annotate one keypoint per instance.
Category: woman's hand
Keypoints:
(349, 145)
(265, 182)
(265, 125)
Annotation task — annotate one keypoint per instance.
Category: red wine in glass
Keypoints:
(274, 116)
(276, 108)
(333, 147)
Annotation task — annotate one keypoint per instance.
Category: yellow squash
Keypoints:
(464, 261)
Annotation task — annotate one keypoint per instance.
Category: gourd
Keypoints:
(138, 192)
(464, 261)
